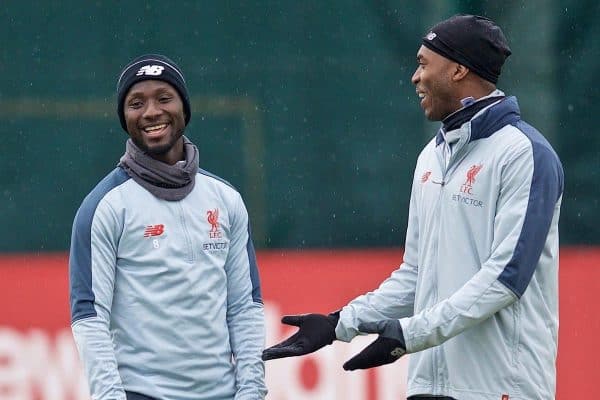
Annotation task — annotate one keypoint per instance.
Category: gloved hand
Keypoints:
(316, 331)
(386, 349)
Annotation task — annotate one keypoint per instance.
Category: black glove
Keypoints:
(316, 331)
(386, 349)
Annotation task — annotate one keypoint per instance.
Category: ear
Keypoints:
(460, 72)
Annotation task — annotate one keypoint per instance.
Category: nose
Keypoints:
(416, 77)
(152, 110)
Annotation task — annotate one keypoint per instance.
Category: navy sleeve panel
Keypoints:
(546, 188)
(256, 293)
(80, 257)
(204, 172)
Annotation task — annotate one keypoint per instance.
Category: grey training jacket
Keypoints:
(477, 292)
(165, 296)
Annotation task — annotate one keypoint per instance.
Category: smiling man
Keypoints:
(475, 301)
(164, 288)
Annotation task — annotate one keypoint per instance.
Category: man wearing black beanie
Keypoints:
(164, 287)
(475, 300)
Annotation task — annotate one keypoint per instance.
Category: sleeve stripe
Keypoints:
(80, 257)
(546, 189)
(256, 293)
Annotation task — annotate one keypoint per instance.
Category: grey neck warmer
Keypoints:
(167, 182)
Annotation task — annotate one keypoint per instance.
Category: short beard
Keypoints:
(158, 150)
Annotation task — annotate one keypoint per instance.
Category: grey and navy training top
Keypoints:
(477, 293)
(165, 295)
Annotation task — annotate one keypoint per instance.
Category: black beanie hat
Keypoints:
(473, 41)
(151, 66)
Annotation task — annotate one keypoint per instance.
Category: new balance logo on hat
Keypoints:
(153, 70)
(431, 36)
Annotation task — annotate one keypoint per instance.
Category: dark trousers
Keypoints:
(137, 396)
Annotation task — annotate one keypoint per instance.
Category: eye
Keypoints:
(135, 104)
(165, 98)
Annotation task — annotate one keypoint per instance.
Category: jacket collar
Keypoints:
(489, 120)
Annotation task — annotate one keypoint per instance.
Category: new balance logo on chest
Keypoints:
(425, 176)
(154, 230)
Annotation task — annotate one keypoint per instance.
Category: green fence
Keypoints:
(306, 106)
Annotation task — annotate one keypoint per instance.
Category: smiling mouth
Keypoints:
(422, 97)
(154, 129)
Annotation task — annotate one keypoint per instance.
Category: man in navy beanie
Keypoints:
(475, 300)
(164, 287)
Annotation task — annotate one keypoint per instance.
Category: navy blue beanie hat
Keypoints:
(473, 41)
(146, 67)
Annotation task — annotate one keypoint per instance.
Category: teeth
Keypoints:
(421, 95)
(154, 128)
